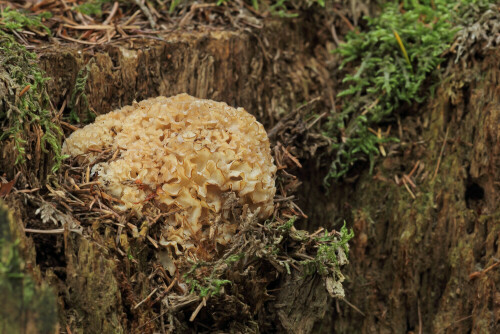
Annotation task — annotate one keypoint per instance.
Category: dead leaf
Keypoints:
(5, 188)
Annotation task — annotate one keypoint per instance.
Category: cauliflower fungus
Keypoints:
(184, 155)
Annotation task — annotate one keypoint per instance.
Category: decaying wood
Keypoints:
(425, 255)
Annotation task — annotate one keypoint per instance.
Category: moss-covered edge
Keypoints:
(25, 105)
(26, 306)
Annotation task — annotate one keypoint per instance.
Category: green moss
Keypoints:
(79, 97)
(394, 61)
(325, 254)
(329, 248)
(25, 102)
(206, 286)
(19, 20)
(91, 8)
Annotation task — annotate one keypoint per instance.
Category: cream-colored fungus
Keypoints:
(190, 154)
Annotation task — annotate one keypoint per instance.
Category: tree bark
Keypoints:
(425, 258)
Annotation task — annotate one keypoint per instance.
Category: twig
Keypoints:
(334, 34)
(166, 214)
(484, 271)
(112, 14)
(146, 12)
(284, 199)
(419, 317)
(90, 27)
(198, 309)
(408, 188)
(349, 24)
(321, 229)
(294, 159)
(441, 154)
(132, 18)
(146, 299)
(414, 168)
(455, 322)
(354, 307)
(162, 322)
(153, 242)
(69, 126)
(54, 231)
(170, 286)
(491, 267)
(407, 178)
(25, 89)
(316, 120)
(77, 40)
(27, 191)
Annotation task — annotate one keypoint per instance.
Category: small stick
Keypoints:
(69, 126)
(354, 307)
(321, 229)
(152, 241)
(198, 309)
(132, 18)
(408, 188)
(491, 267)
(419, 317)
(145, 299)
(414, 168)
(316, 120)
(284, 199)
(441, 154)
(77, 40)
(88, 184)
(294, 159)
(25, 191)
(146, 12)
(484, 271)
(162, 322)
(407, 178)
(170, 286)
(113, 12)
(55, 231)
(349, 24)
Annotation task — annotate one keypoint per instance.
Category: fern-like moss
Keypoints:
(91, 8)
(17, 20)
(399, 52)
(25, 101)
(79, 97)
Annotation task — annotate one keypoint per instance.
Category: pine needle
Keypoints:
(401, 45)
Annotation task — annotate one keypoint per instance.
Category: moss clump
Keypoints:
(93, 7)
(79, 97)
(206, 286)
(11, 19)
(24, 101)
(393, 59)
(333, 250)
(278, 245)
